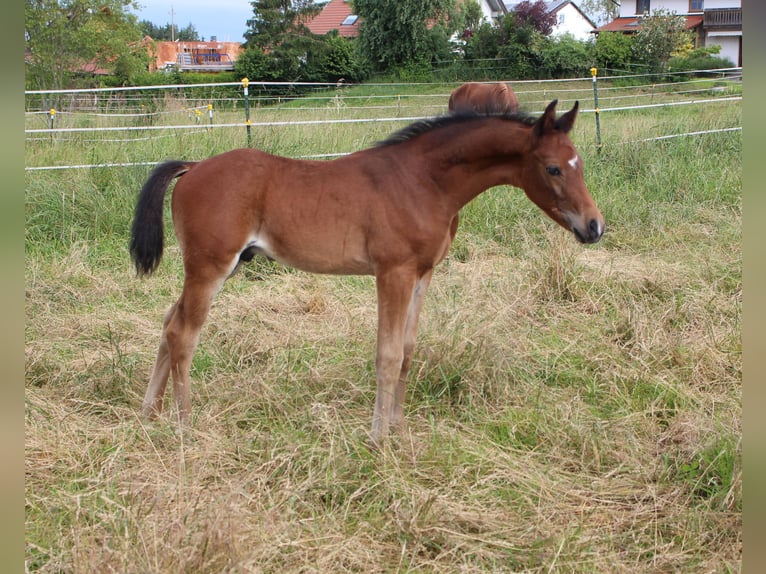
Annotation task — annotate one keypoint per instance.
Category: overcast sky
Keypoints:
(225, 19)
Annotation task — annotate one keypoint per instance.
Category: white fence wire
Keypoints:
(610, 93)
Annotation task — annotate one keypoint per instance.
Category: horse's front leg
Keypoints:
(395, 292)
(410, 335)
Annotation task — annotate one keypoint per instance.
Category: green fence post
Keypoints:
(245, 82)
(51, 117)
(594, 73)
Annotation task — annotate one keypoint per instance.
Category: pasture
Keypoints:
(571, 408)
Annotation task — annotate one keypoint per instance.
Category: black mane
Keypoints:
(429, 124)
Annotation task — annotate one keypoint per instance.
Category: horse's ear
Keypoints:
(565, 122)
(547, 121)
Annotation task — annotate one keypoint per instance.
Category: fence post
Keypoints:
(51, 117)
(210, 113)
(594, 73)
(245, 82)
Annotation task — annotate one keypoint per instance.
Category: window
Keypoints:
(696, 5)
(562, 17)
(642, 6)
(349, 21)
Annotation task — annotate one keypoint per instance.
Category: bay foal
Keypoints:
(483, 98)
(390, 211)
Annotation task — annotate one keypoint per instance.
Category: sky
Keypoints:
(224, 19)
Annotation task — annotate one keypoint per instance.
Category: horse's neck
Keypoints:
(481, 157)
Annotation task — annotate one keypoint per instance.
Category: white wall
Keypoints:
(709, 4)
(628, 7)
(729, 43)
(573, 23)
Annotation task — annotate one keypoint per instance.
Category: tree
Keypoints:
(62, 37)
(164, 33)
(613, 49)
(536, 15)
(472, 16)
(280, 47)
(394, 33)
(274, 20)
(658, 37)
(600, 11)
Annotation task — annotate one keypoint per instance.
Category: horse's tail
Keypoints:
(146, 236)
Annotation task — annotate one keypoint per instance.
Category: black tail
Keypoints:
(146, 235)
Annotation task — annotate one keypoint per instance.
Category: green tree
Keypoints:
(279, 46)
(566, 57)
(472, 16)
(394, 33)
(658, 37)
(274, 20)
(62, 37)
(164, 33)
(613, 50)
(600, 11)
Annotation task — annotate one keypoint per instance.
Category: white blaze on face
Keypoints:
(573, 162)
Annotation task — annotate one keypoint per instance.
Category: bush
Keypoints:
(567, 57)
(613, 50)
(699, 59)
(336, 58)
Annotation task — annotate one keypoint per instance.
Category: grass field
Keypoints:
(571, 408)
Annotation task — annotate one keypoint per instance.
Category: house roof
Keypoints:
(631, 24)
(335, 16)
(549, 6)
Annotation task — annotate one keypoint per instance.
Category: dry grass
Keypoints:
(570, 409)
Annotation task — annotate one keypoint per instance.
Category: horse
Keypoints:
(483, 98)
(390, 210)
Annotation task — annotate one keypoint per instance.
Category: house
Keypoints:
(338, 15)
(335, 15)
(492, 9)
(714, 22)
(212, 56)
(570, 19)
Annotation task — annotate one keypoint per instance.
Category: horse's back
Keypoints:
(483, 98)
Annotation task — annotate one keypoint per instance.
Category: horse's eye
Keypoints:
(553, 170)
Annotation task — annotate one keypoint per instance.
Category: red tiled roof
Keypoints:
(331, 18)
(631, 24)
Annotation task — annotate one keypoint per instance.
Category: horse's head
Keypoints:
(553, 177)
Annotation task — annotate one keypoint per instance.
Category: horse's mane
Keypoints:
(430, 124)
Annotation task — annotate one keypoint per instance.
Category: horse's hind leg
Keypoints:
(152, 405)
(180, 336)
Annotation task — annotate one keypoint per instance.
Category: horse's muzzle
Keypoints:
(592, 233)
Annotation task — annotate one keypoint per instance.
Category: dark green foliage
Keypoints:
(613, 50)
(280, 47)
(566, 57)
(659, 36)
(394, 33)
(64, 40)
(274, 20)
(169, 31)
(705, 58)
(304, 58)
